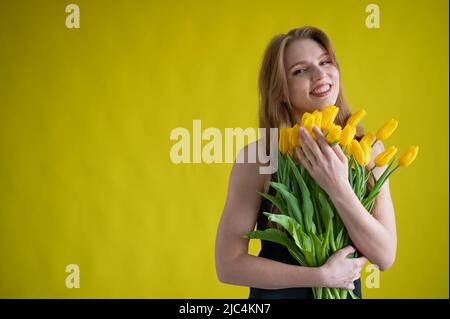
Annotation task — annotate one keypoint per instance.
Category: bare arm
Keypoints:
(373, 235)
(233, 263)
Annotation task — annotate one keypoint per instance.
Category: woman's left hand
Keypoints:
(327, 165)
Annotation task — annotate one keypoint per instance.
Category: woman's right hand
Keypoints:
(340, 271)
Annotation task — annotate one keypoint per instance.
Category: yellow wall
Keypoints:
(85, 118)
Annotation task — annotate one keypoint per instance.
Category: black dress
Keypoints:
(280, 253)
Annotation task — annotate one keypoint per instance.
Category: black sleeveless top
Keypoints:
(280, 253)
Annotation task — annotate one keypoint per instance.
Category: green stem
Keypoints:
(374, 142)
(344, 293)
(376, 188)
(391, 172)
(332, 241)
(337, 295)
(350, 171)
(316, 216)
(353, 294)
(330, 295)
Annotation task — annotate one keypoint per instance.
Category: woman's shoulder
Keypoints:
(254, 153)
(249, 166)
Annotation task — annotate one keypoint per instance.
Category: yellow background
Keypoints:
(85, 118)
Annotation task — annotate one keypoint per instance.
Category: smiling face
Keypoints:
(313, 79)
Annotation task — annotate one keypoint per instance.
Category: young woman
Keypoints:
(300, 74)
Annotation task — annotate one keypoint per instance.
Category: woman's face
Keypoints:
(313, 80)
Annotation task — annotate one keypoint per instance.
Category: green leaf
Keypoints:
(332, 240)
(292, 201)
(326, 211)
(288, 223)
(319, 249)
(301, 169)
(301, 239)
(328, 235)
(316, 216)
(298, 256)
(281, 164)
(276, 236)
(340, 239)
(286, 179)
(310, 259)
(307, 206)
(278, 202)
(350, 171)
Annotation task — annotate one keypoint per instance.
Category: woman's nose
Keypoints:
(317, 74)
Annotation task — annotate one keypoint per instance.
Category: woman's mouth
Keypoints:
(322, 90)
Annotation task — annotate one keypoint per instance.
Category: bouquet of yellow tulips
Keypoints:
(311, 227)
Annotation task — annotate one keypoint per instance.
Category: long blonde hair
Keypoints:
(275, 109)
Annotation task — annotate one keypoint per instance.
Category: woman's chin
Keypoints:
(321, 106)
(316, 106)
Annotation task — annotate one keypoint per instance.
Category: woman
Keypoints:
(300, 74)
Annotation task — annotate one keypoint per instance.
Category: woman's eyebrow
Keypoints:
(304, 62)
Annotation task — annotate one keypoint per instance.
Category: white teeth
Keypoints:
(321, 89)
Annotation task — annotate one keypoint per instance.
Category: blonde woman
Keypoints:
(300, 74)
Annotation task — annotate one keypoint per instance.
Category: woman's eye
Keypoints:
(325, 62)
(299, 71)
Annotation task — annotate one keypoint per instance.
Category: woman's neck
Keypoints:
(297, 117)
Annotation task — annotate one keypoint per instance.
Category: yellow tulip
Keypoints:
(317, 118)
(348, 133)
(290, 152)
(288, 140)
(356, 117)
(282, 145)
(328, 116)
(308, 121)
(385, 157)
(409, 156)
(334, 134)
(367, 153)
(348, 150)
(368, 139)
(306, 116)
(294, 136)
(280, 139)
(358, 152)
(387, 129)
